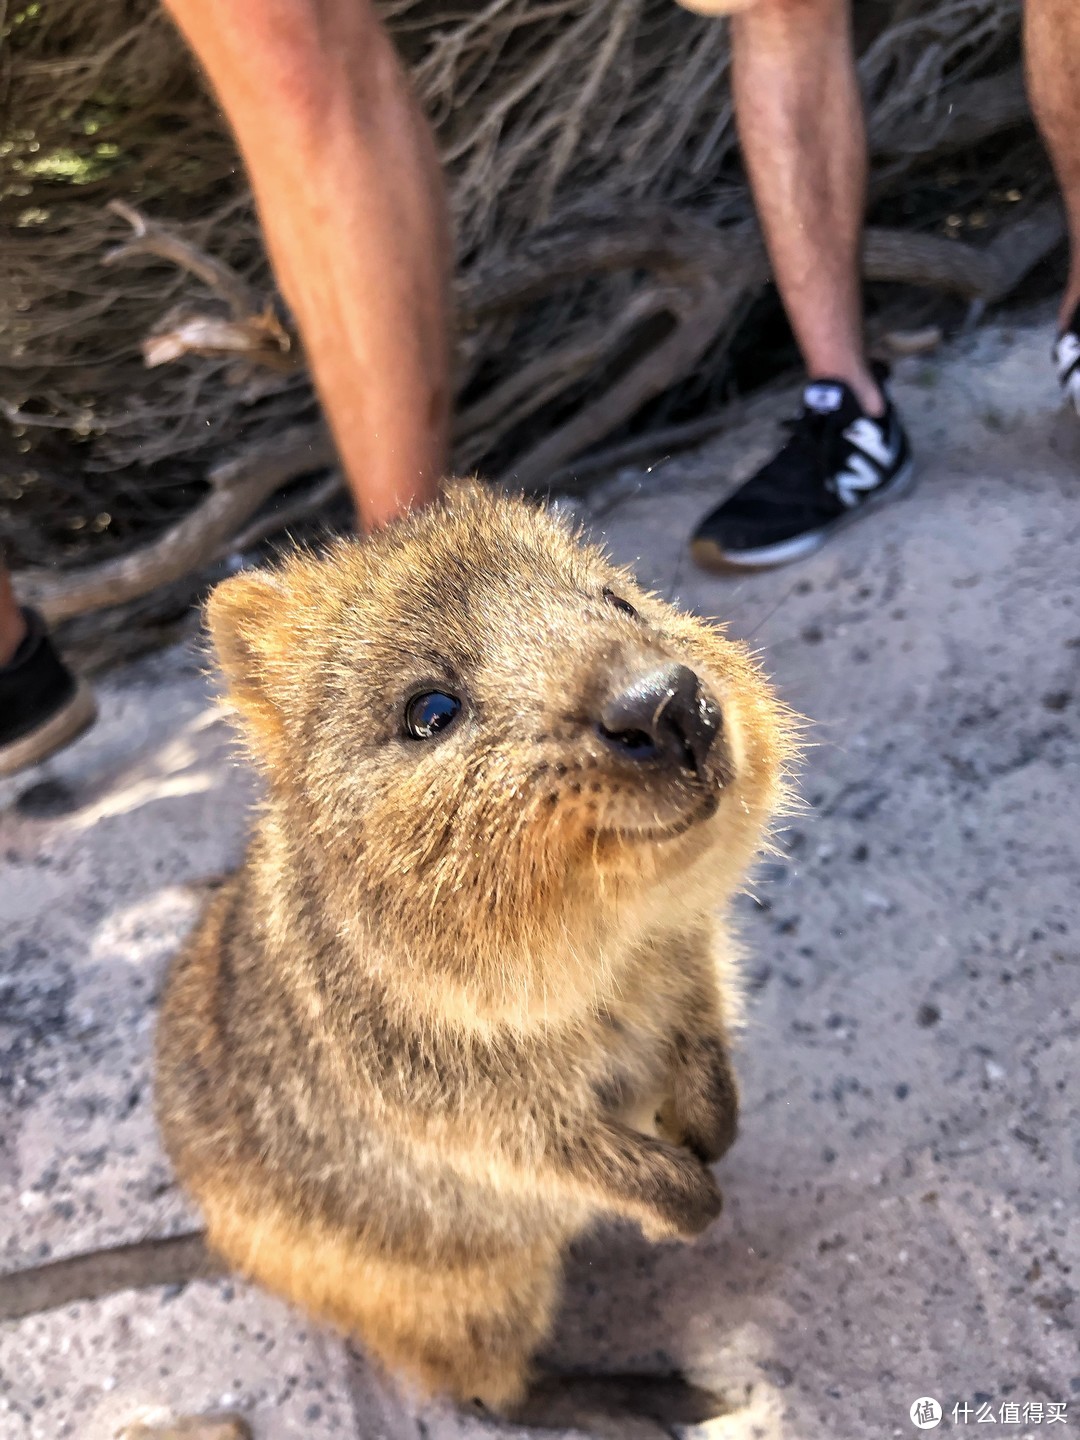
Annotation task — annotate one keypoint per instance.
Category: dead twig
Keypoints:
(162, 243)
(252, 332)
(257, 339)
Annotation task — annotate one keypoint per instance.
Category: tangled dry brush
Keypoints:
(608, 253)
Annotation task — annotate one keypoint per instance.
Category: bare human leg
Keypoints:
(12, 624)
(350, 197)
(803, 139)
(1052, 60)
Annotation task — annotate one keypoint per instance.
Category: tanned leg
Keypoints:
(350, 197)
(1052, 58)
(12, 625)
(803, 139)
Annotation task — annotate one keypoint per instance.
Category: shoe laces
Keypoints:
(806, 462)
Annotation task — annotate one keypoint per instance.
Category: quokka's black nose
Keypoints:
(663, 715)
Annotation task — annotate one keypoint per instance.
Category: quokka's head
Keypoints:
(487, 736)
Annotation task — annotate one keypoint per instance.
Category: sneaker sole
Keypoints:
(709, 555)
(59, 730)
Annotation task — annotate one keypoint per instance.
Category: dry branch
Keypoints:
(238, 488)
(252, 332)
(963, 117)
(259, 339)
(160, 242)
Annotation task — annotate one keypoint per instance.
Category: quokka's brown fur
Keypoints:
(466, 995)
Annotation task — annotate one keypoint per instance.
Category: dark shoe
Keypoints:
(43, 706)
(837, 462)
(1067, 360)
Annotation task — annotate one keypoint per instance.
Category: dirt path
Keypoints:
(902, 1213)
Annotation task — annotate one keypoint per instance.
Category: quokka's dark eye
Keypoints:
(620, 603)
(427, 714)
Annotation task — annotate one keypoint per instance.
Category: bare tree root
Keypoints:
(973, 112)
(238, 488)
(698, 314)
(986, 275)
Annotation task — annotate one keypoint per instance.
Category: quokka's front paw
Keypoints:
(708, 1136)
(685, 1207)
(713, 1136)
(705, 1110)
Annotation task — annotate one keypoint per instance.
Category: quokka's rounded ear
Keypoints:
(249, 620)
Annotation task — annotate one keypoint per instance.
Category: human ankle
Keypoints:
(872, 399)
(862, 385)
(1070, 306)
(12, 622)
(12, 634)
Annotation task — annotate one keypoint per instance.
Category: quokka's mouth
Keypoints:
(658, 831)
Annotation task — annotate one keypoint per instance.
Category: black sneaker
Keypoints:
(1067, 360)
(43, 706)
(837, 462)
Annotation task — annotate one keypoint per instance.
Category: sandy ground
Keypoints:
(902, 1208)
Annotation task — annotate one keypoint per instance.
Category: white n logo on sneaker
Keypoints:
(1066, 353)
(1067, 358)
(868, 436)
(860, 475)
